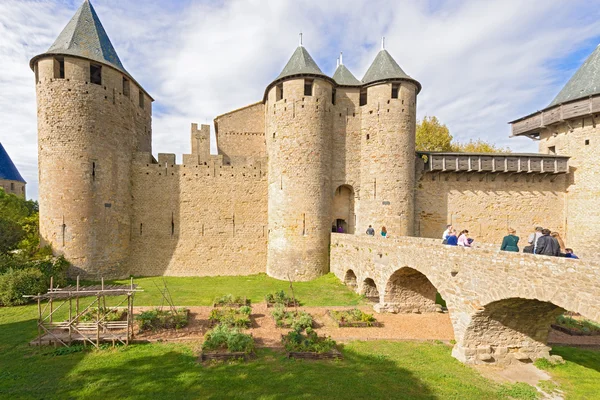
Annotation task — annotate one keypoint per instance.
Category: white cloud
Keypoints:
(481, 63)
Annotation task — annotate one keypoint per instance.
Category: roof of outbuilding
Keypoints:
(84, 36)
(8, 170)
(300, 63)
(344, 77)
(585, 82)
(384, 67)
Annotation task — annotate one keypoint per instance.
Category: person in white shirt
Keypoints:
(463, 239)
(446, 233)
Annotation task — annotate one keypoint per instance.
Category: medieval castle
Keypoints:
(315, 152)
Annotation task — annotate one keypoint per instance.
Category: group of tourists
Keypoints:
(371, 231)
(541, 241)
(451, 237)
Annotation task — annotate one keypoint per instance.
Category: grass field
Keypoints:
(370, 370)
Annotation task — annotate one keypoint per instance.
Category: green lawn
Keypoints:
(201, 291)
(370, 370)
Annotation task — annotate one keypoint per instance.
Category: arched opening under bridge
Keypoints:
(350, 279)
(369, 290)
(409, 291)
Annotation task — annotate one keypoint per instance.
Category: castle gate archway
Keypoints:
(343, 216)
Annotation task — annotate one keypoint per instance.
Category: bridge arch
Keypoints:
(369, 290)
(350, 279)
(409, 290)
(511, 330)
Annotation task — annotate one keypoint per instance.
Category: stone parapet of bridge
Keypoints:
(501, 304)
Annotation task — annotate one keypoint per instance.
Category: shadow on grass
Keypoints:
(171, 371)
(586, 358)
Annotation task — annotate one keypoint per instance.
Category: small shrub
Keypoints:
(280, 297)
(18, 282)
(230, 300)
(353, 316)
(223, 337)
(162, 319)
(296, 341)
(232, 317)
(291, 319)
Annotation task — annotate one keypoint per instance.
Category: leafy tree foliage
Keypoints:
(432, 135)
(18, 224)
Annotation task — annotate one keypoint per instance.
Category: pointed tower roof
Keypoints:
(585, 82)
(384, 67)
(342, 75)
(8, 170)
(84, 36)
(300, 63)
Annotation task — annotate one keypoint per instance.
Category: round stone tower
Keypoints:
(92, 118)
(299, 146)
(388, 121)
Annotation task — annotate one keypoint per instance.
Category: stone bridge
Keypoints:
(501, 304)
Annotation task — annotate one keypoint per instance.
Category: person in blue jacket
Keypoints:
(452, 238)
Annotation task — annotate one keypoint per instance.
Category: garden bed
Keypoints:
(231, 316)
(226, 343)
(354, 318)
(280, 298)
(576, 327)
(291, 319)
(309, 345)
(153, 320)
(231, 301)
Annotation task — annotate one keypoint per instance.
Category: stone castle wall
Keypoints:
(580, 139)
(196, 219)
(241, 134)
(87, 135)
(488, 204)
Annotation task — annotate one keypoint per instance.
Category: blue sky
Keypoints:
(481, 63)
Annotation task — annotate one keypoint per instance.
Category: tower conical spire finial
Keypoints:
(301, 39)
(383, 43)
(341, 58)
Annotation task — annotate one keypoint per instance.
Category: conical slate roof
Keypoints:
(8, 170)
(585, 82)
(343, 76)
(84, 36)
(300, 63)
(385, 67)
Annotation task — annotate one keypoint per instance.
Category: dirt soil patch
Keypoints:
(433, 326)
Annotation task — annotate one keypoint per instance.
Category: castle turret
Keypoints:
(388, 106)
(299, 145)
(92, 117)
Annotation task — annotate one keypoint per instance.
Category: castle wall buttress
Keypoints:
(198, 220)
(88, 133)
(299, 145)
(579, 139)
(387, 159)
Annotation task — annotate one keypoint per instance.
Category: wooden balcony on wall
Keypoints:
(495, 163)
(533, 123)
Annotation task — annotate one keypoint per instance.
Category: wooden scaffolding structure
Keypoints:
(73, 329)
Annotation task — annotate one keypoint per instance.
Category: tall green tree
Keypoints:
(432, 135)
(18, 223)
